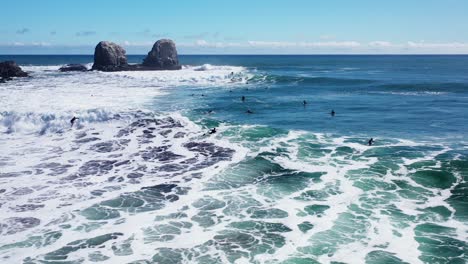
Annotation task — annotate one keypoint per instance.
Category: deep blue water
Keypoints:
(379, 96)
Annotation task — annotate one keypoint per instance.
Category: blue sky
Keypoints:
(233, 27)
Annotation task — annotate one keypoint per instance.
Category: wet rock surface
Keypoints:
(109, 56)
(163, 55)
(73, 67)
(9, 69)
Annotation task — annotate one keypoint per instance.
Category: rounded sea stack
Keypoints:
(109, 56)
(163, 56)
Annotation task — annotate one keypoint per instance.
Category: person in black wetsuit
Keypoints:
(249, 111)
(371, 141)
(72, 121)
(332, 113)
(212, 131)
(304, 103)
(243, 99)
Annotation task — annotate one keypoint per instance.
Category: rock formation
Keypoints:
(109, 56)
(73, 67)
(163, 55)
(10, 69)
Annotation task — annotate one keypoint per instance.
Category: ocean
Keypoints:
(139, 179)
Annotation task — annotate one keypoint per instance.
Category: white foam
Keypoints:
(106, 102)
(206, 75)
(50, 98)
(68, 198)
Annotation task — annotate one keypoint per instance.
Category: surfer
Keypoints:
(243, 98)
(332, 113)
(72, 121)
(371, 141)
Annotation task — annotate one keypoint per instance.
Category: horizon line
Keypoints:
(264, 54)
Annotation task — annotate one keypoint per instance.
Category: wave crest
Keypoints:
(42, 123)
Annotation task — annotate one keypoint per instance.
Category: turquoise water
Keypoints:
(139, 181)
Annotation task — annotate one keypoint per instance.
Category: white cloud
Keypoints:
(127, 43)
(383, 44)
(421, 46)
(426, 45)
(41, 44)
(271, 44)
(327, 47)
(22, 44)
(201, 43)
(262, 47)
(279, 44)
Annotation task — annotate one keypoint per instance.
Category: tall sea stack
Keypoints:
(163, 55)
(109, 56)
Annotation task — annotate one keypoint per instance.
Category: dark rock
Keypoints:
(109, 56)
(73, 67)
(10, 69)
(163, 55)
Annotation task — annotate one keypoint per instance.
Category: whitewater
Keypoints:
(137, 179)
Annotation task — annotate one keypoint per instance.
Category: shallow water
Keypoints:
(138, 180)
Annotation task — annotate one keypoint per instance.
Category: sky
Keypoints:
(237, 27)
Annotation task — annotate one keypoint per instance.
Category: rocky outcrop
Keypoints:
(73, 67)
(109, 56)
(163, 56)
(10, 69)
